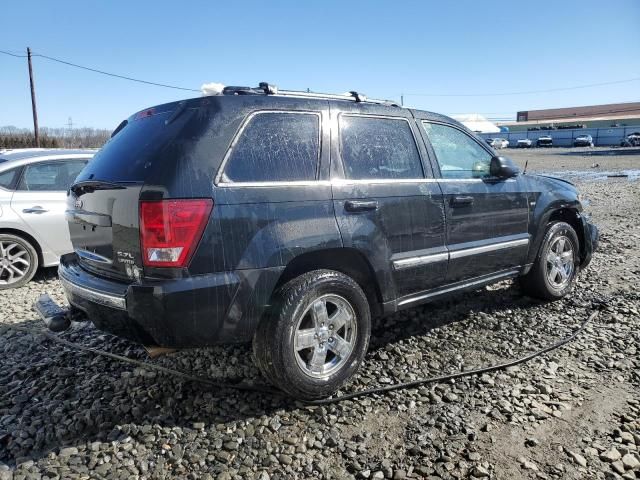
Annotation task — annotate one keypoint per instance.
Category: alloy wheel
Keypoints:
(560, 262)
(14, 262)
(325, 336)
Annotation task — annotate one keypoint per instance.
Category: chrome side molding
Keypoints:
(420, 260)
(488, 248)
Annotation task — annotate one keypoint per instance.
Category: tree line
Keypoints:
(14, 137)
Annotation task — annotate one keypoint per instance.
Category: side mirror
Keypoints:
(503, 167)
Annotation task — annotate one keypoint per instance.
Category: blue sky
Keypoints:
(380, 48)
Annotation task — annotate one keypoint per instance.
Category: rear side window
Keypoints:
(459, 155)
(378, 148)
(8, 178)
(276, 147)
(50, 176)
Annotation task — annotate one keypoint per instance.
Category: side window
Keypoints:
(50, 176)
(8, 178)
(276, 147)
(459, 156)
(378, 148)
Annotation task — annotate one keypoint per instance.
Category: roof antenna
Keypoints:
(526, 163)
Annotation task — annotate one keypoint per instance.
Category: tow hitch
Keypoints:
(56, 318)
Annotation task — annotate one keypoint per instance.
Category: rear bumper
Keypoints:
(203, 310)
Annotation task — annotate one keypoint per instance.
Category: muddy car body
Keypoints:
(290, 219)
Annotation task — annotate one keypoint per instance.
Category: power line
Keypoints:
(13, 54)
(102, 71)
(114, 74)
(529, 92)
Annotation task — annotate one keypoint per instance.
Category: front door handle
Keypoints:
(36, 209)
(461, 201)
(360, 205)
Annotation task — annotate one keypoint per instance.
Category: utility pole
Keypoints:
(33, 100)
(68, 134)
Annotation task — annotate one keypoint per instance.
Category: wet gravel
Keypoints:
(572, 413)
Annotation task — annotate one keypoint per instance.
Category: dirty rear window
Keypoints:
(276, 147)
(130, 152)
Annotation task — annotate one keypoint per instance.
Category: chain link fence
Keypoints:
(602, 137)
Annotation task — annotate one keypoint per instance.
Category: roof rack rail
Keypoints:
(265, 88)
(355, 96)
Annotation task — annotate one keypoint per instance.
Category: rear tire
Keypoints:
(18, 261)
(554, 271)
(315, 335)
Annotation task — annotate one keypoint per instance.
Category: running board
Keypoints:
(468, 285)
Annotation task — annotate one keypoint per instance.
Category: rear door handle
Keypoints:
(360, 205)
(35, 209)
(461, 201)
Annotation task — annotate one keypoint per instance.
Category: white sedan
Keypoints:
(33, 229)
(500, 143)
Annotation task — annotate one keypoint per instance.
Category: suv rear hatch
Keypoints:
(103, 203)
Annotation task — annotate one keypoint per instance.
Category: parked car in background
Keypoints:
(544, 141)
(583, 141)
(524, 143)
(497, 143)
(33, 228)
(291, 218)
(631, 140)
(500, 143)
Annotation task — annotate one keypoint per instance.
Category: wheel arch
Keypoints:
(349, 261)
(572, 217)
(565, 214)
(29, 238)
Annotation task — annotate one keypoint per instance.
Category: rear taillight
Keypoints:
(170, 230)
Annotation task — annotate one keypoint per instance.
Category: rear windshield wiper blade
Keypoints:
(88, 186)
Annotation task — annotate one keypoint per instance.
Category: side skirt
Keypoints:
(427, 296)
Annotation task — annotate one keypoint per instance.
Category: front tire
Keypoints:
(554, 271)
(18, 261)
(315, 335)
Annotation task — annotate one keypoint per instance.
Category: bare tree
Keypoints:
(14, 137)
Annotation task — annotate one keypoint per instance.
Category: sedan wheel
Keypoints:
(18, 261)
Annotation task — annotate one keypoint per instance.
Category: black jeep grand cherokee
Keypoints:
(290, 219)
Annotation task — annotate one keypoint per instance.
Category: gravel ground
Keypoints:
(572, 413)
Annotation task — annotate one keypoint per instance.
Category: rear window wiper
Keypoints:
(88, 186)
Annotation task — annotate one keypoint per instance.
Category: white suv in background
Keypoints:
(33, 228)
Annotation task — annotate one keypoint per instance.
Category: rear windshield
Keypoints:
(131, 152)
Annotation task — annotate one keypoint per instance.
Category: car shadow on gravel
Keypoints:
(45, 274)
(421, 320)
(56, 397)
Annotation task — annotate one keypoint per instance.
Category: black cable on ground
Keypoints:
(325, 401)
